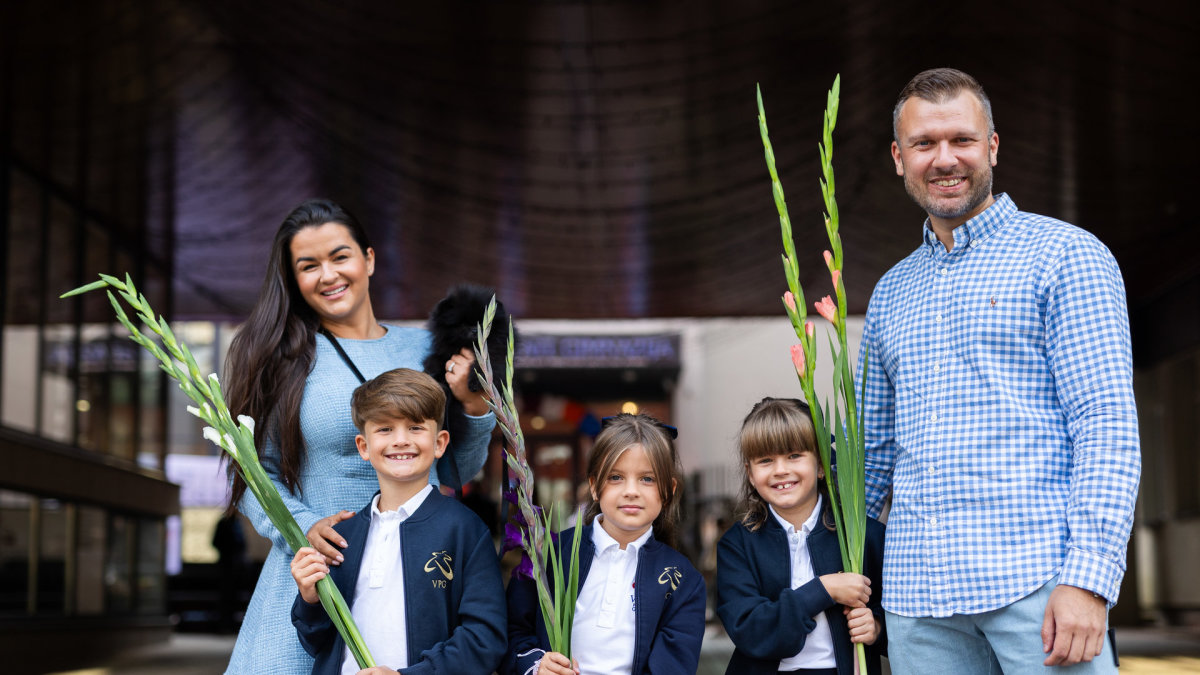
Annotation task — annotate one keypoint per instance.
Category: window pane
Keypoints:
(18, 363)
(118, 570)
(58, 385)
(89, 558)
(19, 369)
(52, 558)
(14, 552)
(151, 566)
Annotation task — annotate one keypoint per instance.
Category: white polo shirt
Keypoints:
(605, 626)
(379, 592)
(818, 648)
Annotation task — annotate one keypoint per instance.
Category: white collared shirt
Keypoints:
(379, 592)
(818, 648)
(605, 625)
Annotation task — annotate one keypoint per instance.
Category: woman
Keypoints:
(310, 339)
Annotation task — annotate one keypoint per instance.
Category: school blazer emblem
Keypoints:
(436, 561)
(670, 575)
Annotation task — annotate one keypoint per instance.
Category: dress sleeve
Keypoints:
(305, 517)
(469, 440)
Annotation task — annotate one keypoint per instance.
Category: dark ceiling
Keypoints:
(596, 160)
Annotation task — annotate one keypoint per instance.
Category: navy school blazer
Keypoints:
(766, 619)
(453, 593)
(669, 596)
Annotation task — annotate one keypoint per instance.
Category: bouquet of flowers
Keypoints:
(235, 438)
(847, 494)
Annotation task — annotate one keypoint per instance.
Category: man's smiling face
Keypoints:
(946, 155)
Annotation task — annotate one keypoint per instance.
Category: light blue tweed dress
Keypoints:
(333, 478)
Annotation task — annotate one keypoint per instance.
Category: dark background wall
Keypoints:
(591, 159)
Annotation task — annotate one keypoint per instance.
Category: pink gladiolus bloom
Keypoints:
(827, 309)
(798, 359)
(828, 259)
(789, 300)
(809, 329)
(836, 274)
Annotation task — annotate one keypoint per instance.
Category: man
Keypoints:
(999, 413)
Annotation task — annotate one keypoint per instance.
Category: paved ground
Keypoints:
(1144, 651)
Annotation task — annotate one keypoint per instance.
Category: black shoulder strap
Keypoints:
(342, 353)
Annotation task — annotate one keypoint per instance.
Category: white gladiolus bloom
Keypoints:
(247, 422)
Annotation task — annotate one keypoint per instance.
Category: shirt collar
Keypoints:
(978, 229)
(808, 524)
(404, 511)
(603, 541)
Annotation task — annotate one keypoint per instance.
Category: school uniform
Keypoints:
(668, 599)
(453, 596)
(767, 620)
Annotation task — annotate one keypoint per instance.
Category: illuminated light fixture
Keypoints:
(83, 405)
(537, 422)
(629, 407)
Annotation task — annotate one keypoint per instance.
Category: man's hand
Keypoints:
(1073, 630)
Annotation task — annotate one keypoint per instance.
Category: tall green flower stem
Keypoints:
(235, 438)
(556, 600)
(847, 494)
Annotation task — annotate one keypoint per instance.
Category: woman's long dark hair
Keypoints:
(272, 353)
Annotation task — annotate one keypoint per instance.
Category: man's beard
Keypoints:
(951, 209)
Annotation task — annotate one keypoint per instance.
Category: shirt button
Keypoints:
(943, 271)
(938, 318)
(937, 367)
(933, 417)
(933, 520)
(932, 469)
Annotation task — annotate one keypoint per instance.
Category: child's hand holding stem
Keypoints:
(851, 590)
(554, 663)
(308, 567)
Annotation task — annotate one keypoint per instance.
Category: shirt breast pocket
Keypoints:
(1004, 321)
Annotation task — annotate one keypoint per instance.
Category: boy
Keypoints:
(420, 572)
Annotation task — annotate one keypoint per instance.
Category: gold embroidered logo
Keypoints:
(447, 571)
(670, 575)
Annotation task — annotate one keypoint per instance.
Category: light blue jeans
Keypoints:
(1007, 640)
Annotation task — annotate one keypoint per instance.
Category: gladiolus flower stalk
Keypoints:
(235, 438)
(557, 588)
(847, 494)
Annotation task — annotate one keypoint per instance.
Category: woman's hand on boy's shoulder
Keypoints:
(378, 670)
(326, 540)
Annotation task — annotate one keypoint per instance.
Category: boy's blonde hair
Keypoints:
(622, 432)
(774, 426)
(402, 392)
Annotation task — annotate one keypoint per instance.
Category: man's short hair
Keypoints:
(938, 85)
(399, 393)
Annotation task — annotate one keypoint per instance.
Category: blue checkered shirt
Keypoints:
(999, 415)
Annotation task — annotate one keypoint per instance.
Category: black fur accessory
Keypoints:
(454, 324)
